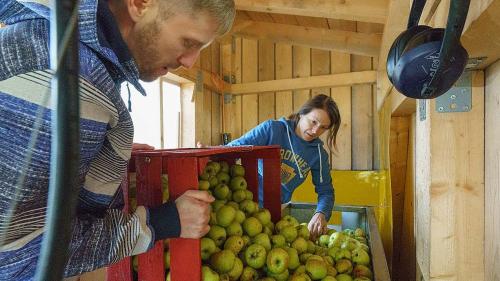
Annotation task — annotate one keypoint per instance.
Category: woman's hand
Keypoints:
(317, 225)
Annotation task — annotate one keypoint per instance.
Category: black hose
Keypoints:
(65, 152)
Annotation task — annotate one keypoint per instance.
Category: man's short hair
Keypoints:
(223, 11)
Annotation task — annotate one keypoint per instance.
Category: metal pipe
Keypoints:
(65, 152)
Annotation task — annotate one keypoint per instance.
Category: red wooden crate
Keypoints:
(183, 167)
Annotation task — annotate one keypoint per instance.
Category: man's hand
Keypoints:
(194, 213)
(142, 146)
(317, 225)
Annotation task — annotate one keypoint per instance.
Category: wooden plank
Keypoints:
(206, 129)
(307, 82)
(482, 38)
(312, 22)
(285, 19)
(216, 119)
(340, 63)
(301, 69)
(249, 74)
(326, 39)
(211, 80)
(492, 173)
(266, 72)
(258, 16)
(320, 65)
(355, 10)
(398, 147)
(284, 99)
(452, 245)
(362, 114)
(227, 73)
(237, 70)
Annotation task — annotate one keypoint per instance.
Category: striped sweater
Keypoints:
(102, 234)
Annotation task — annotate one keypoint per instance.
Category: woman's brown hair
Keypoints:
(326, 103)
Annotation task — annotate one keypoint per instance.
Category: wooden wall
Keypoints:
(248, 60)
(492, 174)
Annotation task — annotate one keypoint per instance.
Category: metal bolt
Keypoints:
(453, 97)
(440, 108)
(466, 108)
(147, 160)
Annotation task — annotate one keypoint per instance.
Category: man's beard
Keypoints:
(145, 53)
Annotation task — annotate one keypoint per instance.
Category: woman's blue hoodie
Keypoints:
(298, 157)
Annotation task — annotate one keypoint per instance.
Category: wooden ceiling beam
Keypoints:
(311, 82)
(353, 10)
(319, 38)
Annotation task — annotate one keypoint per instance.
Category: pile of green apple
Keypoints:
(244, 244)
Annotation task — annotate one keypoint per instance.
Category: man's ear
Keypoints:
(138, 8)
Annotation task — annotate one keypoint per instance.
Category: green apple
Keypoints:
(283, 276)
(225, 215)
(301, 276)
(248, 207)
(204, 176)
(349, 244)
(213, 181)
(208, 274)
(360, 270)
(166, 259)
(213, 218)
(239, 216)
(303, 231)
(315, 257)
(358, 232)
(234, 229)
(246, 240)
(248, 194)
(233, 204)
(217, 204)
(281, 224)
(224, 166)
(267, 230)
(323, 240)
(289, 232)
(304, 257)
(343, 266)
(291, 220)
(218, 234)
(300, 269)
(331, 231)
(293, 261)
(249, 274)
(255, 256)
(203, 185)
(236, 271)
(238, 183)
(360, 256)
(333, 251)
(214, 165)
(316, 269)
(342, 254)
(237, 170)
(329, 278)
(168, 277)
(264, 216)
(239, 195)
(300, 244)
(364, 247)
(278, 241)
(222, 261)
(343, 277)
(362, 279)
(336, 239)
(234, 243)
(331, 271)
(207, 248)
(311, 247)
(262, 239)
(223, 177)
(252, 226)
(277, 260)
(221, 191)
(329, 260)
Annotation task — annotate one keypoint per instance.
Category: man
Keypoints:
(120, 40)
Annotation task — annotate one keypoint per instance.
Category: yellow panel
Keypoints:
(357, 188)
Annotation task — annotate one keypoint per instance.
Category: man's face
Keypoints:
(160, 45)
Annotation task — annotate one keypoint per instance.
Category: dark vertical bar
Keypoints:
(65, 151)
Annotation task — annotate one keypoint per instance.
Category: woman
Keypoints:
(302, 151)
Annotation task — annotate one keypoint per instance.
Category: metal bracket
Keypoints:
(458, 98)
(422, 109)
(228, 98)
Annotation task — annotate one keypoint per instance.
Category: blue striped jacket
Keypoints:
(102, 234)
